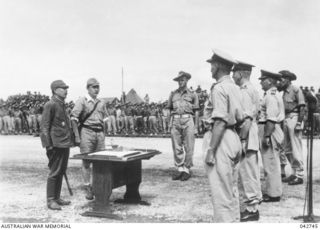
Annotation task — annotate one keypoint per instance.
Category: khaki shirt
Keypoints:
(272, 107)
(183, 102)
(251, 108)
(292, 99)
(251, 100)
(84, 105)
(224, 102)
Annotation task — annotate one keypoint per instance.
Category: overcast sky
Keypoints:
(72, 40)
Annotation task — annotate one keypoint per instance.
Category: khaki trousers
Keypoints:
(293, 145)
(249, 177)
(182, 137)
(223, 177)
(271, 161)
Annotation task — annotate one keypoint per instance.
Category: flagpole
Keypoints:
(122, 80)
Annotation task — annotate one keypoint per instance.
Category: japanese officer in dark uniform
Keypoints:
(56, 137)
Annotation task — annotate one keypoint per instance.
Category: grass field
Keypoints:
(23, 167)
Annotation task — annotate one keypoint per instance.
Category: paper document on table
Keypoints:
(114, 153)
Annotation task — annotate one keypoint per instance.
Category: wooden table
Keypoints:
(112, 172)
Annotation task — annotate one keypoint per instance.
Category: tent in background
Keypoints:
(133, 97)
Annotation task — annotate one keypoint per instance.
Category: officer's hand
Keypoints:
(77, 141)
(49, 148)
(266, 141)
(244, 146)
(298, 127)
(210, 159)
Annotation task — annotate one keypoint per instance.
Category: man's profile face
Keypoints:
(284, 82)
(214, 69)
(182, 82)
(94, 90)
(237, 77)
(265, 84)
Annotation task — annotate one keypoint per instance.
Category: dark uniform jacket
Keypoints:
(55, 125)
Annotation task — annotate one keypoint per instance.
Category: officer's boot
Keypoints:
(51, 194)
(58, 192)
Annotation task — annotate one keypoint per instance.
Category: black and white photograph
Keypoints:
(148, 111)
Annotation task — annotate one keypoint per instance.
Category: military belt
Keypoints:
(182, 115)
(95, 129)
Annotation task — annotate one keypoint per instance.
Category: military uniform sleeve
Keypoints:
(220, 105)
(300, 98)
(77, 109)
(45, 125)
(248, 107)
(170, 106)
(272, 107)
(196, 102)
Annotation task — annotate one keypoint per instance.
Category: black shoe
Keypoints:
(267, 198)
(249, 216)
(289, 178)
(185, 176)
(89, 193)
(53, 205)
(63, 202)
(296, 181)
(177, 176)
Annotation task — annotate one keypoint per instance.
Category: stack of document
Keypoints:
(115, 154)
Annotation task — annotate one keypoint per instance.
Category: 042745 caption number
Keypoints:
(315, 226)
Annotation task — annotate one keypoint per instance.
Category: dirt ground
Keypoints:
(23, 167)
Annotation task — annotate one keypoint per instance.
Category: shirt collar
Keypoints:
(89, 98)
(272, 89)
(288, 88)
(56, 98)
(224, 78)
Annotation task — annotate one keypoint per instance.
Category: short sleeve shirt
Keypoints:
(250, 100)
(183, 102)
(272, 107)
(292, 98)
(84, 105)
(225, 102)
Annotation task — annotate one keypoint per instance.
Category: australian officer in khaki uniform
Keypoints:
(182, 104)
(221, 144)
(294, 104)
(88, 114)
(249, 171)
(271, 135)
(56, 136)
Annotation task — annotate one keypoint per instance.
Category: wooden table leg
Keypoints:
(133, 180)
(102, 189)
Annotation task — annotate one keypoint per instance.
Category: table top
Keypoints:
(118, 154)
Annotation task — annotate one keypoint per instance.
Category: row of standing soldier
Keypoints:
(237, 126)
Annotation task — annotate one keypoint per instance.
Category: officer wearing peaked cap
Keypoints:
(221, 144)
(182, 103)
(249, 171)
(271, 135)
(294, 104)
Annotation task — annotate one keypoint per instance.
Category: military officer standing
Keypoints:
(271, 135)
(294, 104)
(249, 171)
(88, 114)
(56, 137)
(182, 104)
(221, 144)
